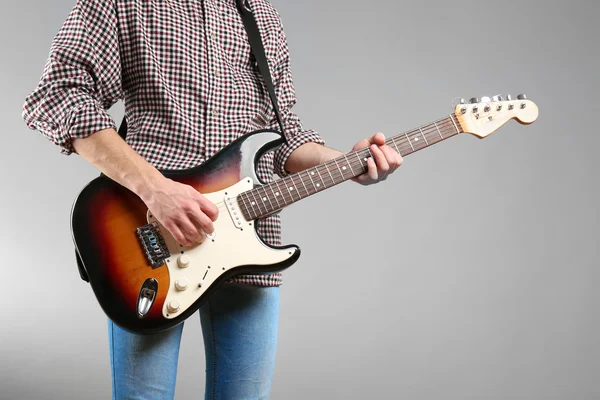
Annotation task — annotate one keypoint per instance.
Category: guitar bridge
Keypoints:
(153, 244)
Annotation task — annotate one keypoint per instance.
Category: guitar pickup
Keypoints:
(234, 211)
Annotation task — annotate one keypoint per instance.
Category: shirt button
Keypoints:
(213, 36)
(217, 74)
(214, 112)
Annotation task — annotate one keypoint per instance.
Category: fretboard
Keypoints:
(264, 200)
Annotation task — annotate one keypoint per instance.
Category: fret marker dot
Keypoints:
(253, 203)
(416, 139)
(318, 184)
(312, 173)
(291, 188)
(276, 193)
(264, 199)
(344, 167)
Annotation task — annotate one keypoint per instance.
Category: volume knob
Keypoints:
(183, 260)
(173, 306)
(181, 284)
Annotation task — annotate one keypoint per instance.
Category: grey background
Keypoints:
(469, 274)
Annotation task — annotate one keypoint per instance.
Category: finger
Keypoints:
(208, 207)
(362, 144)
(177, 234)
(372, 172)
(191, 233)
(202, 221)
(390, 156)
(382, 164)
(378, 139)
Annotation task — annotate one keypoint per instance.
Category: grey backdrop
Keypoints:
(469, 274)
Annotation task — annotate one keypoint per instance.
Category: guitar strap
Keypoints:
(258, 51)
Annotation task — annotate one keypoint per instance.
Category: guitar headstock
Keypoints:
(482, 117)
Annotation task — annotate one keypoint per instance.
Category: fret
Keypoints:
(311, 179)
(256, 201)
(409, 142)
(305, 188)
(275, 194)
(350, 165)
(360, 162)
(289, 190)
(281, 192)
(318, 173)
(339, 169)
(327, 168)
(396, 146)
(265, 197)
(452, 118)
(424, 138)
(438, 129)
(284, 192)
(294, 188)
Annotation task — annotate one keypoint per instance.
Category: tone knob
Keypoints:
(522, 97)
(474, 100)
(173, 306)
(183, 260)
(181, 284)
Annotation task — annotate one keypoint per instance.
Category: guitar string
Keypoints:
(426, 130)
(333, 164)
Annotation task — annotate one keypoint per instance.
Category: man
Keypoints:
(185, 72)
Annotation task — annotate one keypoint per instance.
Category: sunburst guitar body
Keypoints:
(144, 280)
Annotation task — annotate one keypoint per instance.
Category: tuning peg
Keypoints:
(508, 97)
(474, 100)
(462, 101)
(497, 98)
(522, 97)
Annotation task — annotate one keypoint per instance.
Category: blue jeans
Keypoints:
(239, 326)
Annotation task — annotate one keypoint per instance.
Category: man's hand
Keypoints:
(180, 208)
(387, 160)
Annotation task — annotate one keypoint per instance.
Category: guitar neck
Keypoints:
(264, 200)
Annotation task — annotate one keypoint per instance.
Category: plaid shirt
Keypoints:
(184, 71)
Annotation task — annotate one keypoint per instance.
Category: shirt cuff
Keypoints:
(81, 122)
(293, 142)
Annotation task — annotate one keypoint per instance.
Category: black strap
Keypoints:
(259, 54)
(261, 59)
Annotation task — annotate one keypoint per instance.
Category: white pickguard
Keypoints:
(229, 247)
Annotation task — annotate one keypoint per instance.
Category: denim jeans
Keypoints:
(239, 326)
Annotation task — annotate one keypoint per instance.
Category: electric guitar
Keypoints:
(147, 282)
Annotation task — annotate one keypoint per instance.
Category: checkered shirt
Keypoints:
(190, 86)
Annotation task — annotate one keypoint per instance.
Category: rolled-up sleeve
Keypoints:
(81, 78)
(295, 133)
